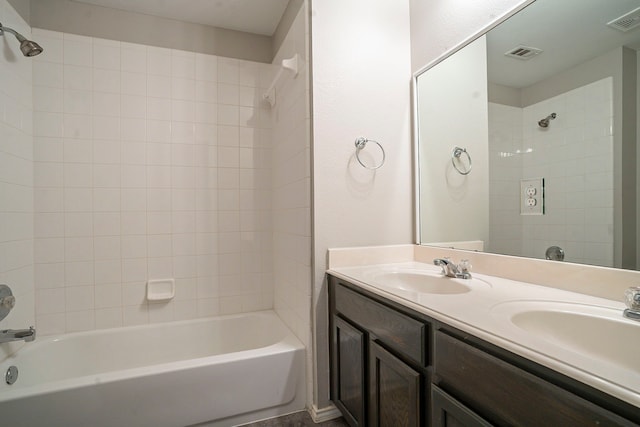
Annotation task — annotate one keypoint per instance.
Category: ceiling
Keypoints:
(252, 16)
(569, 32)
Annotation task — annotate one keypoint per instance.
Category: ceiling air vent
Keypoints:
(523, 52)
(626, 22)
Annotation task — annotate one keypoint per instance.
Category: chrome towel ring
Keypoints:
(455, 158)
(360, 143)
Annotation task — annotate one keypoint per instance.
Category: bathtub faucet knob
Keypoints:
(7, 301)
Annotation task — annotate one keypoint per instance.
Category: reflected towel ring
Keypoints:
(456, 154)
(360, 143)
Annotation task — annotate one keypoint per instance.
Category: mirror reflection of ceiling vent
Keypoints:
(626, 22)
(523, 52)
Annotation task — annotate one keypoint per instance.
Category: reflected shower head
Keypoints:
(28, 47)
(544, 123)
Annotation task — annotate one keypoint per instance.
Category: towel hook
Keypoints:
(361, 143)
(456, 154)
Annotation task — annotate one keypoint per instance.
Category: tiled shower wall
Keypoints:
(292, 186)
(150, 163)
(16, 175)
(292, 191)
(575, 156)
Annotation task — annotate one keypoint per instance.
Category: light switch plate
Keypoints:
(532, 196)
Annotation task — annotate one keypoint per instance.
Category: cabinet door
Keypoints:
(448, 412)
(348, 371)
(395, 399)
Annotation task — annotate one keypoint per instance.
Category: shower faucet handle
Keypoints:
(7, 301)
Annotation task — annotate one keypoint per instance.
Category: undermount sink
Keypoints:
(594, 331)
(423, 282)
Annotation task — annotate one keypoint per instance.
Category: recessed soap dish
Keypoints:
(161, 289)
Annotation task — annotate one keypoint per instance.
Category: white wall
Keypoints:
(150, 163)
(361, 87)
(16, 176)
(453, 112)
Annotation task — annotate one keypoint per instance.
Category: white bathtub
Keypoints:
(224, 371)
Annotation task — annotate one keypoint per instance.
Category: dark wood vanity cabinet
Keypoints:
(500, 393)
(391, 366)
(379, 364)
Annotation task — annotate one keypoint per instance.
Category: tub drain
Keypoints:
(12, 375)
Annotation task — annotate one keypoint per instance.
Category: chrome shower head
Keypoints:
(28, 47)
(544, 123)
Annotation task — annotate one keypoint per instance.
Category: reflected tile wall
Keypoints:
(575, 156)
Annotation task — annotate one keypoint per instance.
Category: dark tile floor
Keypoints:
(299, 419)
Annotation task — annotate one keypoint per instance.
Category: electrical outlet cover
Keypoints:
(532, 196)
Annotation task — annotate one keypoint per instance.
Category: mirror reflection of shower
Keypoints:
(544, 123)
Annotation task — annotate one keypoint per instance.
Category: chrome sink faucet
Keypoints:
(450, 269)
(632, 299)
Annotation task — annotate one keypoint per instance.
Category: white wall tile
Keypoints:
(159, 86)
(47, 99)
(106, 54)
(106, 80)
(77, 321)
(159, 61)
(107, 248)
(133, 58)
(133, 83)
(77, 51)
(77, 77)
(108, 317)
(106, 223)
(206, 68)
(136, 179)
(79, 298)
(135, 315)
(183, 64)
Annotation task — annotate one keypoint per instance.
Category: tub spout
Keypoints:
(27, 335)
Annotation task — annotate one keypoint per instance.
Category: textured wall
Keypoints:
(361, 87)
(440, 25)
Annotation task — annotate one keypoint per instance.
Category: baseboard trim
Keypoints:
(320, 415)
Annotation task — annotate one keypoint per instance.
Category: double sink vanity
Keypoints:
(411, 346)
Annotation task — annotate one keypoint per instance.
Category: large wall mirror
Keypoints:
(526, 137)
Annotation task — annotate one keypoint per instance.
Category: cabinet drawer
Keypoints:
(506, 395)
(396, 330)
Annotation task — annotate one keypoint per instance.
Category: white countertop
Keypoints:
(486, 310)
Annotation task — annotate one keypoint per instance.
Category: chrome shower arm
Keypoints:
(19, 36)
